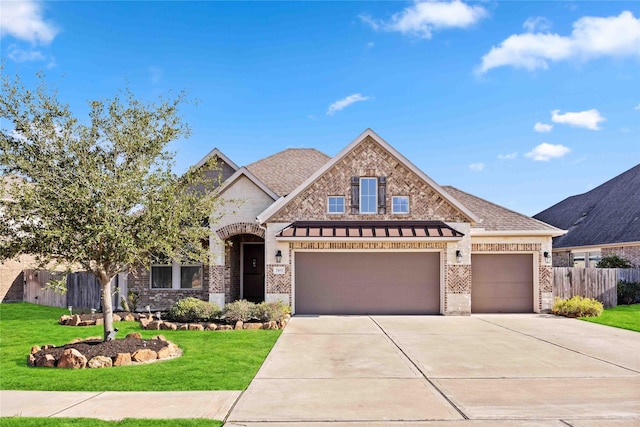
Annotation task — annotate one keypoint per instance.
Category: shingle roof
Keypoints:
(284, 171)
(495, 217)
(607, 214)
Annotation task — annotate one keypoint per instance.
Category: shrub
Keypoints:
(193, 310)
(628, 292)
(134, 299)
(241, 310)
(613, 261)
(271, 311)
(577, 307)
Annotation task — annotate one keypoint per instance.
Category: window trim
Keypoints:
(374, 194)
(393, 205)
(176, 276)
(329, 205)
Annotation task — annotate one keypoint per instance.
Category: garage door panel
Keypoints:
(367, 283)
(502, 283)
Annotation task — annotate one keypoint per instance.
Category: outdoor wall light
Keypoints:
(279, 256)
(547, 257)
(458, 256)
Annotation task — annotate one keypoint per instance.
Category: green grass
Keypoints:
(622, 316)
(127, 422)
(212, 360)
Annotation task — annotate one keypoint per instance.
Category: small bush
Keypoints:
(271, 311)
(133, 299)
(613, 261)
(193, 310)
(628, 292)
(242, 310)
(577, 307)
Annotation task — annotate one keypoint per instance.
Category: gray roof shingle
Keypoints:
(284, 171)
(495, 217)
(610, 213)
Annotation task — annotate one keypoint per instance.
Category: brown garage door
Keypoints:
(367, 283)
(501, 283)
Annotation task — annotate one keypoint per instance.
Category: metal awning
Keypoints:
(435, 230)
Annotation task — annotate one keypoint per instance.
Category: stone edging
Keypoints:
(151, 324)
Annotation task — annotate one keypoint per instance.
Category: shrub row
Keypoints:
(195, 310)
(628, 292)
(577, 306)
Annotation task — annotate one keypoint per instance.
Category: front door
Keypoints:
(253, 272)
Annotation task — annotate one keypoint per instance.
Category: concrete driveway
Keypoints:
(522, 370)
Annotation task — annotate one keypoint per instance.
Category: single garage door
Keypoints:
(501, 283)
(367, 283)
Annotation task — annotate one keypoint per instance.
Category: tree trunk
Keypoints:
(107, 306)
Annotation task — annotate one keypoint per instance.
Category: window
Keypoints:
(368, 195)
(176, 276)
(400, 204)
(335, 205)
(586, 259)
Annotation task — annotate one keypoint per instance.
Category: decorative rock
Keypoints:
(239, 325)
(144, 322)
(87, 323)
(211, 327)
(99, 321)
(129, 318)
(284, 322)
(144, 355)
(47, 361)
(64, 319)
(168, 351)
(196, 327)
(77, 340)
(270, 325)
(48, 346)
(134, 335)
(159, 337)
(225, 327)
(71, 358)
(168, 326)
(75, 319)
(184, 327)
(100, 362)
(116, 318)
(35, 349)
(252, 326)
(154, 325)
(122, 359)
(31, 360)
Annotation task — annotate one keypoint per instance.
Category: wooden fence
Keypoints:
(598, 283)
(83, 289)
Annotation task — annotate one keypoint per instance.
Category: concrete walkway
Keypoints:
(422, 371)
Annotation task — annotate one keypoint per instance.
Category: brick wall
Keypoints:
(631, 253)
(561, 259)
(369, 159)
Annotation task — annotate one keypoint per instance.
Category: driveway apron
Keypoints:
(493, 369)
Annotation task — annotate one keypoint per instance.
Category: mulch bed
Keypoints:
(91, 348)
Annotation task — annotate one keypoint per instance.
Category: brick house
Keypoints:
(364, 232)
(600, 222)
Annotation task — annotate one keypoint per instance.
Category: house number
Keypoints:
(278, 270)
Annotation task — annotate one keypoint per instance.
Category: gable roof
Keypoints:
(284, 171)
(219, 154)
(610, 213)
(273, 209)
(243, 171)
(496, 218)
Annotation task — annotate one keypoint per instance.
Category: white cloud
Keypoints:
(542, 127)
(588, 119)
(637, 107)
(19, 55)
(592, 37)
(536, 23)
(23, 20)
(345, 102)
(421, 18)
(476, 166)
(545, 152)
(509, 156)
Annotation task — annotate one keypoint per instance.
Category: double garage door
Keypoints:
(406, 283)
(367, 283)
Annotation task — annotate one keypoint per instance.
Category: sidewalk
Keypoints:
(112, 405)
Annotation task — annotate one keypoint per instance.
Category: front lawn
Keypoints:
(88, 422)
(212, 360)
(622, 316)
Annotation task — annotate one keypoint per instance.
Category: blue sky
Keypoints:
(521, 103)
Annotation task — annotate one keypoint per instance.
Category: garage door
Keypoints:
(501, 283)
(367, 283)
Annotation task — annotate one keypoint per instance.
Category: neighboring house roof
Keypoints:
(220, 155)
(610, 213)
(284, 171)
(273, 209)
(496, 218)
